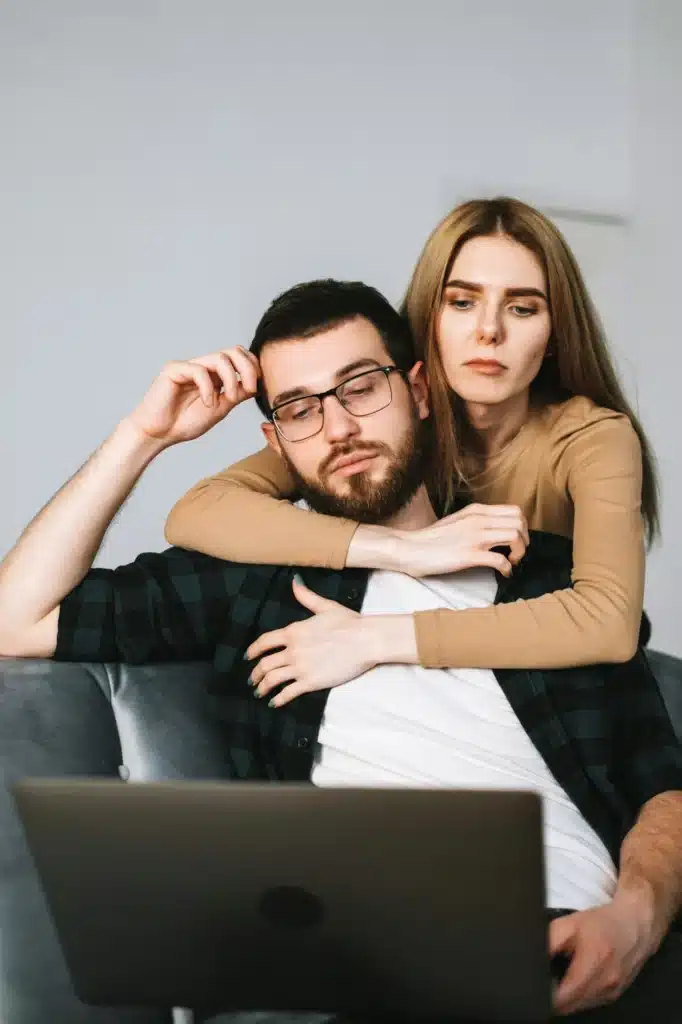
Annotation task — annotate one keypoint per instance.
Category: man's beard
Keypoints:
(367, 501)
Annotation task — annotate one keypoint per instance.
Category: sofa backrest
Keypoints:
(101, 720)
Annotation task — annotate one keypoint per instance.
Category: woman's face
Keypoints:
(494, 324)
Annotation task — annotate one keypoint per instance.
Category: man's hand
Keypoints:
(464, 540)
(58, 547)
(607, 947)
(188, 398)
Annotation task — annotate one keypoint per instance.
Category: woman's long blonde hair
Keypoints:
(580, 362)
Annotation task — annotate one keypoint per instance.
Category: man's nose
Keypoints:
(338, 422)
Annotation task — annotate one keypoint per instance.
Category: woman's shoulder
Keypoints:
(579, 417)
(582, 435)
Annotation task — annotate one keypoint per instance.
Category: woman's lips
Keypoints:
(488, 367)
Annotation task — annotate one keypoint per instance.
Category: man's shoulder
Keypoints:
(176, 558)
(545, 567)
(184, 570)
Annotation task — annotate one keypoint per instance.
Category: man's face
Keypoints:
(361, 467)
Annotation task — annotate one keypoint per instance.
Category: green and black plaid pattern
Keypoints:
(603, 730)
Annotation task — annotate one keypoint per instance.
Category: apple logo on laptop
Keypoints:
(291, 907)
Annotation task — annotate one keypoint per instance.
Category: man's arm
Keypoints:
(608, 945)
(59, 546)
(57, 549)
(650, 877)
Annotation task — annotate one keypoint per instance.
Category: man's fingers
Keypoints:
(579, 988)
(562, 934)
(247, 367)
(236, 368)
(228, 376)
(186, 372)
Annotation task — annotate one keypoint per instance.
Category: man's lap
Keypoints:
(655, 996)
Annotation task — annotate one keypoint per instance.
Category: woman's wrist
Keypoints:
(374, 547)
(389, 639)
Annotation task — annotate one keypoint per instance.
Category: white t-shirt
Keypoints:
(405, 725)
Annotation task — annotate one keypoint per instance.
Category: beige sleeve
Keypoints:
(597, 620)
(244, 514)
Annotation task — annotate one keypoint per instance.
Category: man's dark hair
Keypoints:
(312, 307)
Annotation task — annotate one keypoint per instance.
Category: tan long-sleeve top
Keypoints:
(574, 469)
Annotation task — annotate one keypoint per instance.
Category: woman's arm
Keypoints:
(596, 621)
(244, 514)
(600, 466)
(240, 515)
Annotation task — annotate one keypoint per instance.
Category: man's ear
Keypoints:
(420, 389)
(271, 436)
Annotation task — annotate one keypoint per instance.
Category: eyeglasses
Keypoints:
(361, 395)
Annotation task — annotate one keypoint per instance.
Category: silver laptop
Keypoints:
(234, 896)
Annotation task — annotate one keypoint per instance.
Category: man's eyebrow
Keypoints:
(511, 293)
(356, 366)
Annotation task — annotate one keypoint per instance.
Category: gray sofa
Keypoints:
(105, 720)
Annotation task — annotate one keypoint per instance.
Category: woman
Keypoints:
(527, 410)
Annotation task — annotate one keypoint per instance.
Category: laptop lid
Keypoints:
(237, 896)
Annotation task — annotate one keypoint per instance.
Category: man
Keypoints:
(347, 407)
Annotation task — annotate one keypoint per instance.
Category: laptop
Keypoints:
(418, 903)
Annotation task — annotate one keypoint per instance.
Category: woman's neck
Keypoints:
(497, 425)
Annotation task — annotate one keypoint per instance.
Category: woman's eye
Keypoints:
(461, 303)
(523, 310)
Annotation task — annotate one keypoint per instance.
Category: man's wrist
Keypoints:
(131, 442)
(639, 899)
(390, 639)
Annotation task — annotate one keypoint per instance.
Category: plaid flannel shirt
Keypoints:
(603, 731)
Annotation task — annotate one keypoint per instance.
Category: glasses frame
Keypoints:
(321, 395)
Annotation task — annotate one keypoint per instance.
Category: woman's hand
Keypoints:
(464, 540)
(332, 647)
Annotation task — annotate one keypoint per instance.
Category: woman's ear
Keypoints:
(419, 387)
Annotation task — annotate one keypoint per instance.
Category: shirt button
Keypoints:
(303, 743)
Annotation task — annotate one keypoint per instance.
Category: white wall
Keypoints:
(167, 167)
(655, 337)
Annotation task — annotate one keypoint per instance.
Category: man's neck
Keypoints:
(417, 514)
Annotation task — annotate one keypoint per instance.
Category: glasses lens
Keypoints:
(300, 419)
(366, 394)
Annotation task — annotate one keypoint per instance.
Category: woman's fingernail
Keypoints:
(271, 703)
(297, 579)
